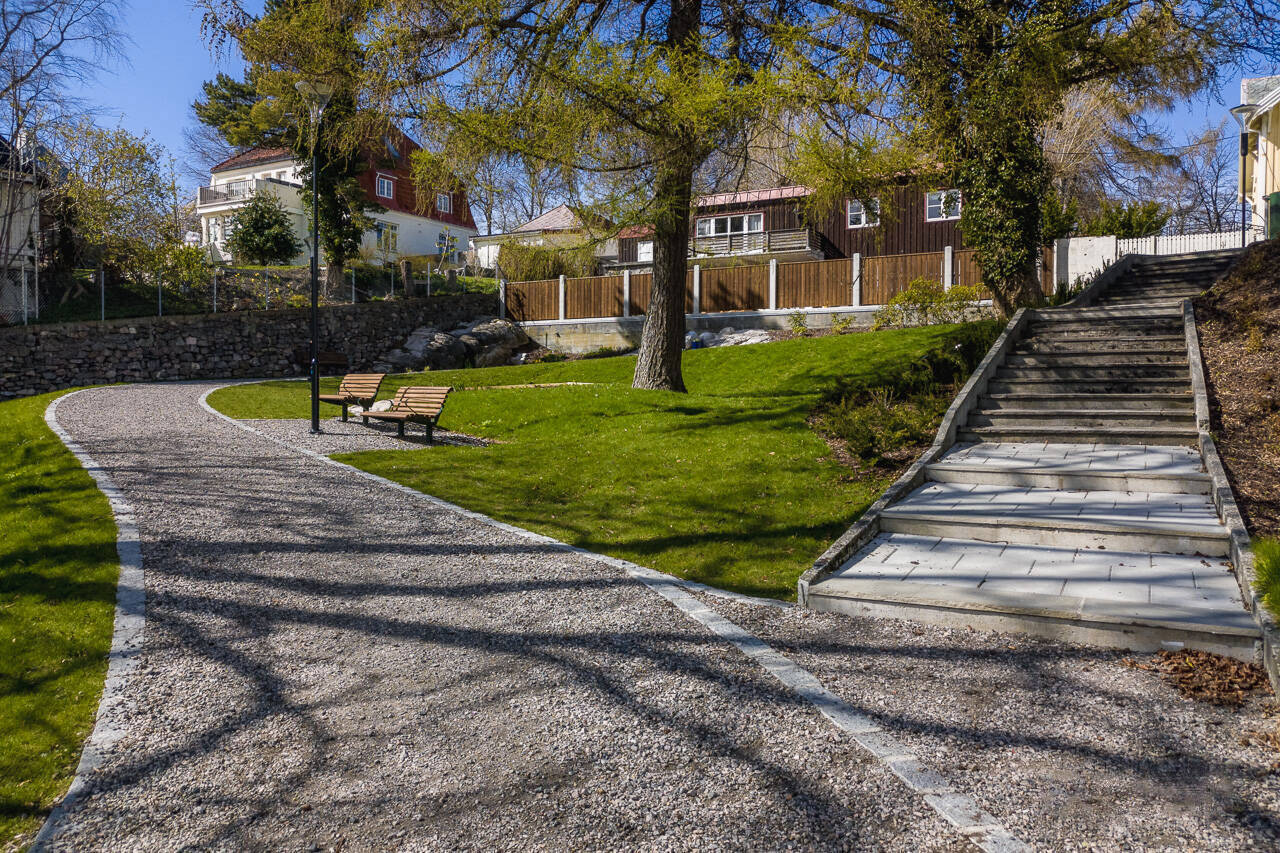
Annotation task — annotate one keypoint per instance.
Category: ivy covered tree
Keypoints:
(262, 233)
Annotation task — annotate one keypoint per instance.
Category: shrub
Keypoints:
(262, 232)
(840, 325)
(797, 323)
(538, 263)
(926, 302)
(1266, 555)
(876, 418)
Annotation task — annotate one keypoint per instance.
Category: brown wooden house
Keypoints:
(758, 225)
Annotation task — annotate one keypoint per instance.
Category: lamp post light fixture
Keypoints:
(316, 94)
(1243, 112)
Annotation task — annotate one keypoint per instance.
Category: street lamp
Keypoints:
(1243, 113)
(316, 94)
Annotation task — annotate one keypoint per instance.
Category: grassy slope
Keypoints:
(725, 485)
(58, 570)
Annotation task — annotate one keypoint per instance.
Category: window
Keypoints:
(386, 236)
(942, 205)
(644, 251)
(743, 223)
(864, 215)
(386, 187)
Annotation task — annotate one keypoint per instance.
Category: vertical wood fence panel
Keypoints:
(597, 296)
(744, 288)
(641, 287)
(533, 300)
(815, 284)
(884, 276)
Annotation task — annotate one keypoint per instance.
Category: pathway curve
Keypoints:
(330, 664)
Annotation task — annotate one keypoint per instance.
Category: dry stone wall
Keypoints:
(40, 358)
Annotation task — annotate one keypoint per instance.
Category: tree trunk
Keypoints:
(662, 339)
(334, 280)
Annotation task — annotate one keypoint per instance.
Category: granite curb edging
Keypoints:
(1240, 549)
(126, 637)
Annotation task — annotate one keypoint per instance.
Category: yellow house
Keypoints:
(1259, 116)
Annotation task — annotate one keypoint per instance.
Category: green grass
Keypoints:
(1266, 556)
(726, 485)
(58, 570)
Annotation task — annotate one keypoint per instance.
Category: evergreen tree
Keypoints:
(261, 232)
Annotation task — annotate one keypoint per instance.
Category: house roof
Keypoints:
(253, 157)
(558, 218)
(752, 196)
(636, 231)
(1262, 91)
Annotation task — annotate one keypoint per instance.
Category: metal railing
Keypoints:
(754, 243)
(239, 190)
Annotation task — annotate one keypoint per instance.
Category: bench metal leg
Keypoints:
(344, 413)
(430, 434)
(400, 428)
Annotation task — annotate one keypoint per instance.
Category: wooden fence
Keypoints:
(751, 287)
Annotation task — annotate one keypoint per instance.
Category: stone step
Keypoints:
(1098, 373)
(1103, 348)
(1136, 328)
(1094, 418)
(1145, 385)
(1087, 402)
(1123, 599)
(1095, 314)
(1086, 358)
(1138, 521)
(1095, 342)
(1171, 435)
(1154, 283)
(1144, 300)
(1038, 477)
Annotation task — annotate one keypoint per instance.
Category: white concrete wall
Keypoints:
(1075, 258)
(416, 235)
(281, 170)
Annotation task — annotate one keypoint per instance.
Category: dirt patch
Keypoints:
(1207, 677)
(1239, 325)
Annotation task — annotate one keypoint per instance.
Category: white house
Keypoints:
(559, 227)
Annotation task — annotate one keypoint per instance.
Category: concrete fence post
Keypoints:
(626, 293)
(563, 298)
(948, 267)
(502, 298)
(697, 288)
(773, 284)
(855, 264)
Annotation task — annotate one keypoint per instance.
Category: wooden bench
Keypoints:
(327, 361)
(356, 389)
(413, 405)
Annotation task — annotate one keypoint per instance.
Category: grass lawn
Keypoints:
(726, 485)
(58, 569)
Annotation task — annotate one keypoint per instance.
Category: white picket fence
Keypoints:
(1179, 244)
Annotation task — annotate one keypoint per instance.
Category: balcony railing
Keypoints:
(240, 190)
(759, 242)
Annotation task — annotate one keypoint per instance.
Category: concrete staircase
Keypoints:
(1075, 502)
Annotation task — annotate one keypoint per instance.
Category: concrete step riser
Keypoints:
(1067, 481)
(1104, 359)
(1097, 374)
(1088, 346)
(1173, 438)
(1051, 534)
(1084, 328)
(1076, 419)
(1144, 299)
(1103, 389)
(1077, 403)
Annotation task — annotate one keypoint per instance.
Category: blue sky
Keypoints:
(167, 61)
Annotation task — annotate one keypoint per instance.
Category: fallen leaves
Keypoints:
(1206, 677)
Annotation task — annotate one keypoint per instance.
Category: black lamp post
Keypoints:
(316, 94)
(1243, 113)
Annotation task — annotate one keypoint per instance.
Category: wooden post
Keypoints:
(773, 284)
(626, 293)
(697, 288)
(563, 298)
(948, 267)
(502, 298)
(855, 272)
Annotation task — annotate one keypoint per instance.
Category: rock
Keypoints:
(380, 406)
(494, 341)
(708, 339)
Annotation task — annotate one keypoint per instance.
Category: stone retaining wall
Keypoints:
(40, 358)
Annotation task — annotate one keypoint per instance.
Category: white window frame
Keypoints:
(710, 226)
(391, 184)
(444, 203)
(644, 252)
(942, 197)
(864, 221)
(383, 231)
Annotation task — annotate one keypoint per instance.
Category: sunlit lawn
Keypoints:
(726, 485)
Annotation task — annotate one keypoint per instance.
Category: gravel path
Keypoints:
(328, 665)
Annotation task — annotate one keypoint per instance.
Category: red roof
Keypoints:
(636, 231)
(253, 157)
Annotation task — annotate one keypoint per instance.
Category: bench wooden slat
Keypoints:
(355, 388)
(413, 404)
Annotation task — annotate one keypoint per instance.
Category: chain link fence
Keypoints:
(87, 295)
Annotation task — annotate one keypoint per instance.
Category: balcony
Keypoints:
(237, 191)
(755, 243)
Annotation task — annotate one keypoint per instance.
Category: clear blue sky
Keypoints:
(167, 61)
